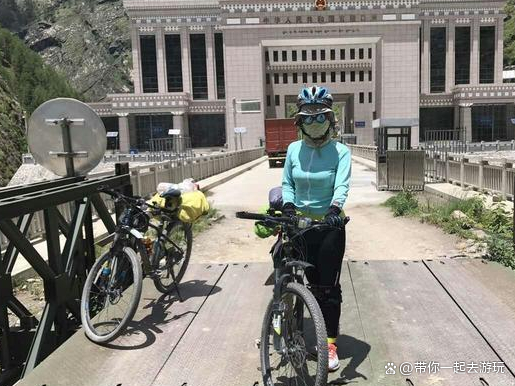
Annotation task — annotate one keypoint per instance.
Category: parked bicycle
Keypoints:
(113, 287)
(293, 345)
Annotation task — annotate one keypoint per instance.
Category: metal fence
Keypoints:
(144, 179)
(177, 144)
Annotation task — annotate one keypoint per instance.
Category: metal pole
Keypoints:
(241, 143)
(67, 147)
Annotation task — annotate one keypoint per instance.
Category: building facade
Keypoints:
(206, 67)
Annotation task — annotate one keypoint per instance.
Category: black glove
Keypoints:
(289, 210)
(332, 217)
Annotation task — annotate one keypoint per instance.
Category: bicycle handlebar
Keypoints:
(139, 202)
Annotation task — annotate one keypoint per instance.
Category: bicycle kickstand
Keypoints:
(176, 286)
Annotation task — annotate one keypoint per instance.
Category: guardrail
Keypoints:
(367, 152)
(474, 146)
(144, 180)
(494, 176)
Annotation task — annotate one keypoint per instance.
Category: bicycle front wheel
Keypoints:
(171, 263)
(294, 340)
(111, 295)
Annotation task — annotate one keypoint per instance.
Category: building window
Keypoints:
(331, 18)
(313, 55)
(333, 54)
(268, 100)
(173, 63)
(361, 53)
(305, 77)
(438, 51)
(489, 123)
(370, 97)
(322, 77)
(342, 76)
(276, 78)
(370, 76)
(267, 57)
(352, 18)
(267, 76)
(370, 53)
(277, 100)
(333, 77)
(486, 54)
(304, 55)
(362, 76)
(462, 55)
(295, 78)
(148, 63)
(353, 76)
(152, 126)
(352, 53)
(294, 56)
(314, 77)
(285, 78)
(285, 56)
(322, 55)
(198, 66)
(276, 56)
(361, 97)
(219, 61)
(342, 54)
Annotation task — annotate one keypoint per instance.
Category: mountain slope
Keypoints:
(12, 137)
(88, 42)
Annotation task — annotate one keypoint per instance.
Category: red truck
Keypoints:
(279, 133)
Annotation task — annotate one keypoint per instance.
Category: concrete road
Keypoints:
(373, 232)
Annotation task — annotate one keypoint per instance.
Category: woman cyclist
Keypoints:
(316, 183)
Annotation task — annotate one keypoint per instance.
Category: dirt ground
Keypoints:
(372, 234)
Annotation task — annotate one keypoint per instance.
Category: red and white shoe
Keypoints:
(334, 362)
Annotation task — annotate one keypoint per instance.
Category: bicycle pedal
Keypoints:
(257, 343)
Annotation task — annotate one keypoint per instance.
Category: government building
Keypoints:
(202, 68)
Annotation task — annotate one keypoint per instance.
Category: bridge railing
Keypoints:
(367, 152)
(485, 175)
(144, 180)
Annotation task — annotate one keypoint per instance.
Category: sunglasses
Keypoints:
(308, 119)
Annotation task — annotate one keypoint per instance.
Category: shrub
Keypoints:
(403, 203)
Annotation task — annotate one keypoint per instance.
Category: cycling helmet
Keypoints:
(314, 100)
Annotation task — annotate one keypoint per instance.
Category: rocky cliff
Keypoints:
(12, 138)
(88, 42)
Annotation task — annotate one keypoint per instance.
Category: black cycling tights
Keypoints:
(325, 252)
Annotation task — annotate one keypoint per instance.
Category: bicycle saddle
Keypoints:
(171, 193)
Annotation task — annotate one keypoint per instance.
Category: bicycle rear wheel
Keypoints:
(111, 295)
(173, 262)
(294, 340)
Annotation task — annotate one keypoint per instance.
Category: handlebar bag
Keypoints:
(169, 203)
(194, 204)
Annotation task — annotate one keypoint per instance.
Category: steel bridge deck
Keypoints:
(443, 311)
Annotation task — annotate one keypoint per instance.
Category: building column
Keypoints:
(161, 62)
(136, 67)
(123, 132)
(425, 77)
(210, 62)
(474, 59)
(449, 66)
(178, 124)
(466, 121)
(499, 51)
(185, 58)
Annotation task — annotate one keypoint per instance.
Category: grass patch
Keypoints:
(467, 218)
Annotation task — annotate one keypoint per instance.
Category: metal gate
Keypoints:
(438, 144)
(405, 169)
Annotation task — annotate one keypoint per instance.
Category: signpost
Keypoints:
(240, 131)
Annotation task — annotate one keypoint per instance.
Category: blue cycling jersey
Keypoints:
(316, 178)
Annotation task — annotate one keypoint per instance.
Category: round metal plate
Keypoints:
(44, 137)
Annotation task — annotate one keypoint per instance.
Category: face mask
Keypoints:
(316, 130)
